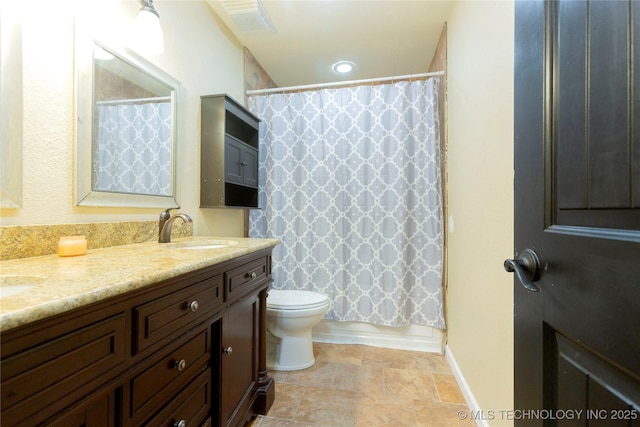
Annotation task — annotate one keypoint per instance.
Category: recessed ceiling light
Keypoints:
(343, 67)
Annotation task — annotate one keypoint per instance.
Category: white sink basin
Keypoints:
(14, 285)
(202, 244)
(7, 291)
(204, 247)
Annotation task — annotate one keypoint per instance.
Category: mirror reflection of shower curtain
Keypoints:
(132, 148)
(350, 183)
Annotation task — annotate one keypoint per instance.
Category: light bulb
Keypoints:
(146, 34)
(343, 67)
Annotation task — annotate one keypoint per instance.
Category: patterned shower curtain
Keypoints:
(133, 149)
(350, 183)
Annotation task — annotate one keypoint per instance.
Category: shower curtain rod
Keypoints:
(157, 99)
(345, 83)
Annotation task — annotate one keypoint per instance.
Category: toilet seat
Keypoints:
(280, 299)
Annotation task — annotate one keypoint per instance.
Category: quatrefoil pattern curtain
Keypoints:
(133, 149)
(350, 183)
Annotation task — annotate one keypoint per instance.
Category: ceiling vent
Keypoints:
(248, 15)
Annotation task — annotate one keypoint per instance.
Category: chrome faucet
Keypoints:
(165, 223)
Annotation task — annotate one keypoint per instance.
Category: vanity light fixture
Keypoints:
(146, 34)
(343, 67)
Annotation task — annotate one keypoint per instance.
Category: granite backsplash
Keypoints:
(24, 241)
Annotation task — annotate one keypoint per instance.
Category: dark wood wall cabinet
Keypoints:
(187, 351)
(229, 154)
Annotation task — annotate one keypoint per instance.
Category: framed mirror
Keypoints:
(126, 129)
(11, 131)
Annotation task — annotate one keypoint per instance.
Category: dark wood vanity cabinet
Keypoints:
(188, 351)
(228, 154)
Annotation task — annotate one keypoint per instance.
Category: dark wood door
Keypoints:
(239, 367)
(577, 205)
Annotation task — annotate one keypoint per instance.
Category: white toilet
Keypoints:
(290, 317)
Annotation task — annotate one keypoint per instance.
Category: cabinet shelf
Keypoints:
(229, 154)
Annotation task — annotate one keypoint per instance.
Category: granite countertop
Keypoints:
(59, 284)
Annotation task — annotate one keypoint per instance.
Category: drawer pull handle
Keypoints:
(181, 365)
(253, 275)
(181, 423)
(227, 350)
(193, 306)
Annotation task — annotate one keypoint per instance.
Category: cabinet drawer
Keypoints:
(191, 405)
(244, 278)
(154, 387)
(58, 371)
(164, 316)
(98, 411)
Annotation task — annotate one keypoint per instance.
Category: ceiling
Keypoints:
(383, 38)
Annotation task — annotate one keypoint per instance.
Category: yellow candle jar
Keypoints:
(72, 246)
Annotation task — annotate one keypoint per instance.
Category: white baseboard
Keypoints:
(472, 403)
(412, 337)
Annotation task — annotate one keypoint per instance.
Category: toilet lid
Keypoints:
(292, 300)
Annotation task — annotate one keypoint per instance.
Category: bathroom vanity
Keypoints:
(146, 334)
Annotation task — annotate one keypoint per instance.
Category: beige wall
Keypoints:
(198, 52)
(480, 293)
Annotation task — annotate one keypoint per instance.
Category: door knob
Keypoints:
(526, 267)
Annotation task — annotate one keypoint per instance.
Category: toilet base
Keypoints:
(290, 353)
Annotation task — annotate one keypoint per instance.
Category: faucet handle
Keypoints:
(166, 214)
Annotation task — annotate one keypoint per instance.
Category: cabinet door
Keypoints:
(239, 359)
(233, 163)
(250, 166)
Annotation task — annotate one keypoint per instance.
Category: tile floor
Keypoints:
(356, 386)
